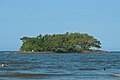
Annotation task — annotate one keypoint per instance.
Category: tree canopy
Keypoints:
(60, 43)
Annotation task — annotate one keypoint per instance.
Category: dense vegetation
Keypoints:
(60, 43)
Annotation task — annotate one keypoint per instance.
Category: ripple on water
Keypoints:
(28, 75)
(88, 69)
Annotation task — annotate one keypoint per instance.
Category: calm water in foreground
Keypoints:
(60, 66)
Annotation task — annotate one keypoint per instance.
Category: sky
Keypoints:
(99, 18)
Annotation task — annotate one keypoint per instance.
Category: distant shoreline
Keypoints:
(48, 52)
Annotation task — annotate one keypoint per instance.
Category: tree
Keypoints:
(68, 42)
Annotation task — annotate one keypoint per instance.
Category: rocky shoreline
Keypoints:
(50, 52)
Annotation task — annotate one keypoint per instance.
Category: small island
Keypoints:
(60, 43)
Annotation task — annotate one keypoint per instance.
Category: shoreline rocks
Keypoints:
(50, 52)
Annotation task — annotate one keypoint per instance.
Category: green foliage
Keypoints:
(61, 43)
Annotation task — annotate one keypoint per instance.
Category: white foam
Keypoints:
(116, 75)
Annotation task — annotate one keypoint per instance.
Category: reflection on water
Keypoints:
(60, 66)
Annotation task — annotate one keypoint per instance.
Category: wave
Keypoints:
(117, 75)
(88, 69)
(31, 75)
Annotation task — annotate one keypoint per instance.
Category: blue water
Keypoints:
(67, 66)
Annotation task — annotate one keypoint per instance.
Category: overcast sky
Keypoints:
(99, 18)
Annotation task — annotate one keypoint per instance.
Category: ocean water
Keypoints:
(68, 66)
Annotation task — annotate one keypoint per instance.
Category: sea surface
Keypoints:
(68, 66)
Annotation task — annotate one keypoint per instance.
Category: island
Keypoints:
(60, 43)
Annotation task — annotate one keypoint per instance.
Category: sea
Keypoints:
(60, 66)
